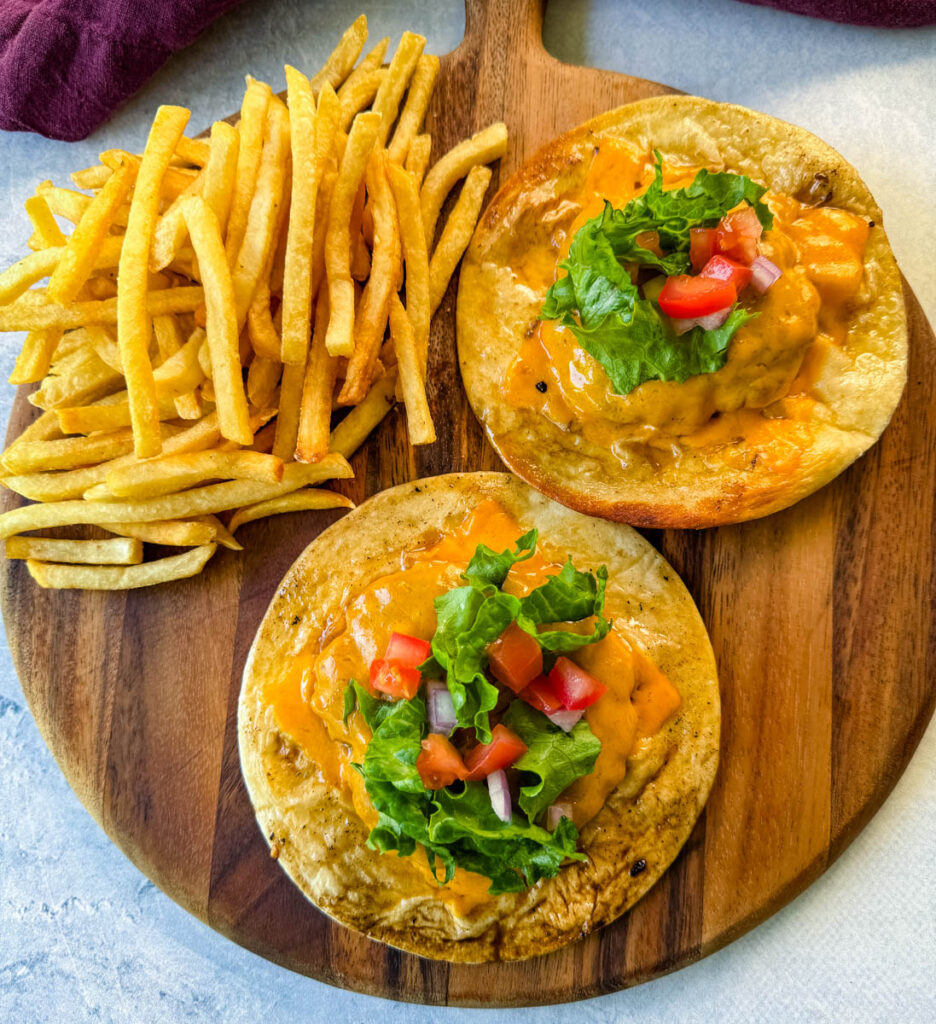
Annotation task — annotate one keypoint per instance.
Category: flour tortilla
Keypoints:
(322, 842)
(858, 388)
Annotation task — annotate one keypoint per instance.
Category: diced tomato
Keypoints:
(439, 764)
(701, 246)
(542, 695)
(407, 650)
(650, 240)
(684, 297)
(505, 748)
(720, 268)
(394, 679)
(515, 659)
(575, 687)
(738, 234)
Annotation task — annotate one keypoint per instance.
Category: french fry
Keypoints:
(488, 145)
(182, 372)
(402, 65)
(71, 341)
(85, 379)
(415, 255)
(28, 316)
(414, 110)
(417, 159)
(198, 501)
(106, 577)
(311, 133)
(340, 337)
(178, 472)
(457, 233)
(67, 453)
(262, 378)
(264, 439)
(371, 319)
(91, 177)
(32, 364)
(118, 551)
(341, 60)
(44, 428)
(262, 219)
(44, 224)
(77, 262)
(418, 418)
(220, 171)
(15, 280)
(358, 94)
(308, 499)
(251, 129)
(58, 487)
(170, 232)
(169, 342)
(87, 419)
(323, 204)
(354, 429)
(317, 392)
(360, 257)
(261, 331)
(222, 535)
(133, 321)
(181, 533)
(193, 151)
(222, 328)
(287, 419)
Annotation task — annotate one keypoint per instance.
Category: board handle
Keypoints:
(503, 28)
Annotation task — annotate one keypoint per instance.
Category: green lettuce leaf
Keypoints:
(568, 597)
(597, 300)
(488, 567)
(555, 758)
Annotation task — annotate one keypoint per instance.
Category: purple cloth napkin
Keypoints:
(67, 65)
(877, 13)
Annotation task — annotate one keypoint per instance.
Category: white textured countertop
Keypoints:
(85, 937)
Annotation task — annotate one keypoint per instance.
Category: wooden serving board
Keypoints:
(822, 619)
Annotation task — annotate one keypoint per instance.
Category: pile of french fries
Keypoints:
(217, 301)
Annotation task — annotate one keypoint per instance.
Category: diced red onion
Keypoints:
(440, 708)
(707, 323)
(556, 813)
(764, 273)
(566, 720)
(500, 795)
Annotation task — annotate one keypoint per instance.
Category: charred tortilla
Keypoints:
(731, 469)
(314, 828)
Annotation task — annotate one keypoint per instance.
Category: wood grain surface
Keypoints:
(822, 619)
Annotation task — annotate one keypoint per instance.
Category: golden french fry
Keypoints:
(262, 219)
(323, 204)
(261, 331)
(299, 501)
(318, 389)
(354, 429)
(71, 341)
(133, 321)
(91, 177)
(251, 129)
(181, 533)
(418, 418)
(357, 94)
(170, 232)
(417, 159)
(371, 318)
(79, 378)
(106, 577)
(44, 428)
(262, 378)
(221, 171)
(287, 419)
(415, 255)
(341, 60)
(32, 364)
(87, 419)
(57, 487)
(26, 272)
(486, 146)
(193, 151)
(64, 202)
(182, 372)
(340, 337)
(118, 551)
(222, 329)
(222, 535)
(77, 262)
(169, 342)
(173, 473)
(360, 256)
(311, 133)
(264, 439)
(106, 347)
(195, 502)
(457, 233)
(414, 110)
(28, 316)
(402, 65)
(68, 452)
(44, 223)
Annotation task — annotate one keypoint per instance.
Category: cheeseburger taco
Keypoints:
(680, 314)
(477, 725)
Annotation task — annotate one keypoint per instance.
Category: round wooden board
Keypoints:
(822, 619)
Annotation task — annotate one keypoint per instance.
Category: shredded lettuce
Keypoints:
(598, 301)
